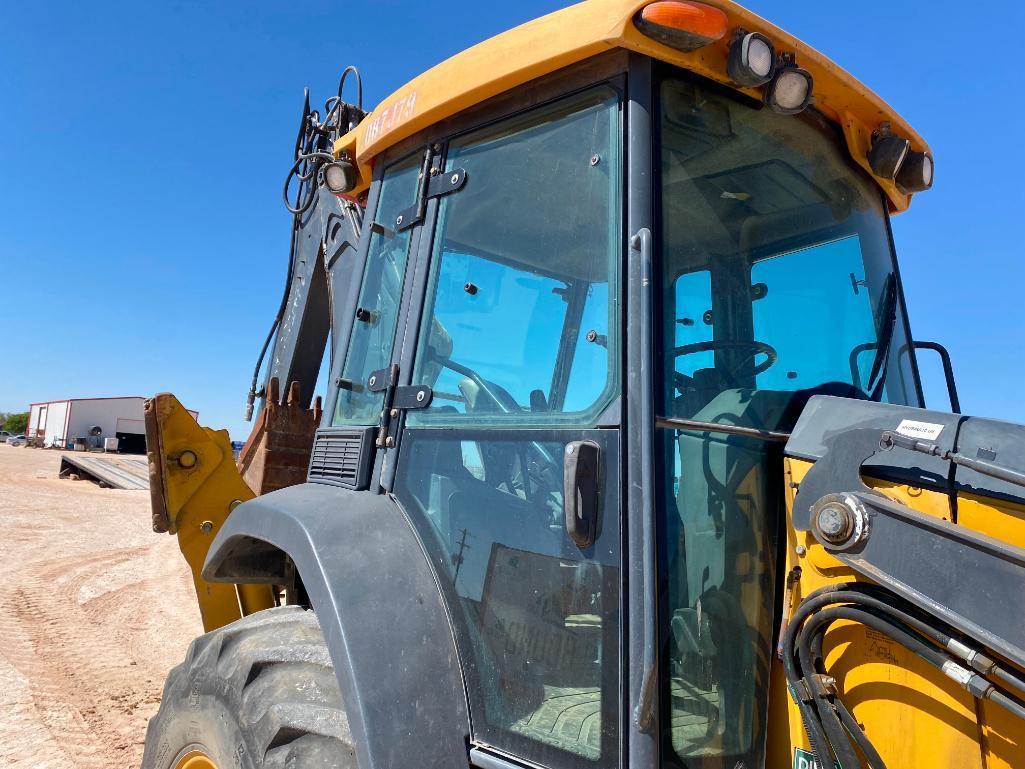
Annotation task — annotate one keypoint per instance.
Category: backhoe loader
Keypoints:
(622, 457)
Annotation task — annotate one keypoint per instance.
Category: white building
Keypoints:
(59, 423)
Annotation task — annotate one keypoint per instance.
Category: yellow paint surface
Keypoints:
(573, 34)
(198, 498)
(914, 715)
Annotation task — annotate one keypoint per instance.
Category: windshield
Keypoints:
(778, 283)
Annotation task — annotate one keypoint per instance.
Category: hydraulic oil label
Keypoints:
(926, 431)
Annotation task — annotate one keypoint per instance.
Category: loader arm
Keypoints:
(194, 484)
(910, 588)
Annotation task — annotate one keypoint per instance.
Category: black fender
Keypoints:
(380, 608)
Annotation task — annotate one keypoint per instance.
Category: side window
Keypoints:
(818, 315)
(373, 330)
(693, 302)
(493, 324)
(521, 315)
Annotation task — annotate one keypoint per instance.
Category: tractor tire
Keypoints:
(255, 694)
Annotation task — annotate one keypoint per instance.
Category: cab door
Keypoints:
(511, 472)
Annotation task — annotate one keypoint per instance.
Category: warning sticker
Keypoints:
(803, 760)
(927, 431)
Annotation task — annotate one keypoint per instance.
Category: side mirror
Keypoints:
(948, 371)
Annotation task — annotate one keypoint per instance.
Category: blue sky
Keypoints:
(142, 148)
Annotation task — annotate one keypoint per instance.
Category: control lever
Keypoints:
(581, 491)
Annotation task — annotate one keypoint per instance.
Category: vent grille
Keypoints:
(340, 457)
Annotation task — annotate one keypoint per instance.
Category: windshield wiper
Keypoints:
(886, 320)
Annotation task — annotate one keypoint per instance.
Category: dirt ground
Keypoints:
(94, 610)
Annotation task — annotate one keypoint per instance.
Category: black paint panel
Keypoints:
(826, 416)
(999, 442)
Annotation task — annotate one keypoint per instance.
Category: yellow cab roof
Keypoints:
(580, 31)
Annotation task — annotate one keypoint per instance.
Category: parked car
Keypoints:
(4, 435)
(17, 440)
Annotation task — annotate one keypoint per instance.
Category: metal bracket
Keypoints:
(396, 399)
(838, 470)
(969, 580)
(432, 185)
(412, 397)
(446, 183)
(382, 379)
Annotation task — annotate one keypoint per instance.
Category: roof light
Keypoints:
(790, 91)
(684, 26)
(340, 176)
(752, 60)
(915, 173)
(887, 155)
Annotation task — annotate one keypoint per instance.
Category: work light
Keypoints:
(340, 176)
(887, 155)
(915, 173)
(790, 91)
(752, 60)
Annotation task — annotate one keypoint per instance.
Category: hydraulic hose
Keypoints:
(299, 142)
(816, 627)
(938, 632)
(813, 728)
(822, 698)
(858, 734)
(309, 153)
(830, 726)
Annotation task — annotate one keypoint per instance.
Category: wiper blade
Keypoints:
(886, 320)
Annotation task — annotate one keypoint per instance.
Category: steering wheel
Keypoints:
(683, 382)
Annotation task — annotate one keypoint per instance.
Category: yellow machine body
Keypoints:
(914, 715)
(194, 484)
(586, 29)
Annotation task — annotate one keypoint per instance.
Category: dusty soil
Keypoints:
(94, 610)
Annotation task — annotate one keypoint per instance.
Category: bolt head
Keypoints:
(389, 441)
(834, 521)
(455, 178)
(420, 396)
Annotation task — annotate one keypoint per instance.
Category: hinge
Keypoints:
(433, 184)
(446, 183)
(397, 398)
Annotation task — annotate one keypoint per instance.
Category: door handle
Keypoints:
(581, 492)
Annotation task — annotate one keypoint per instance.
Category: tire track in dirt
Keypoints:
(95, 611)
(68, 659)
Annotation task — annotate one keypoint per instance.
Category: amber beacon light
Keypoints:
(682, 25)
